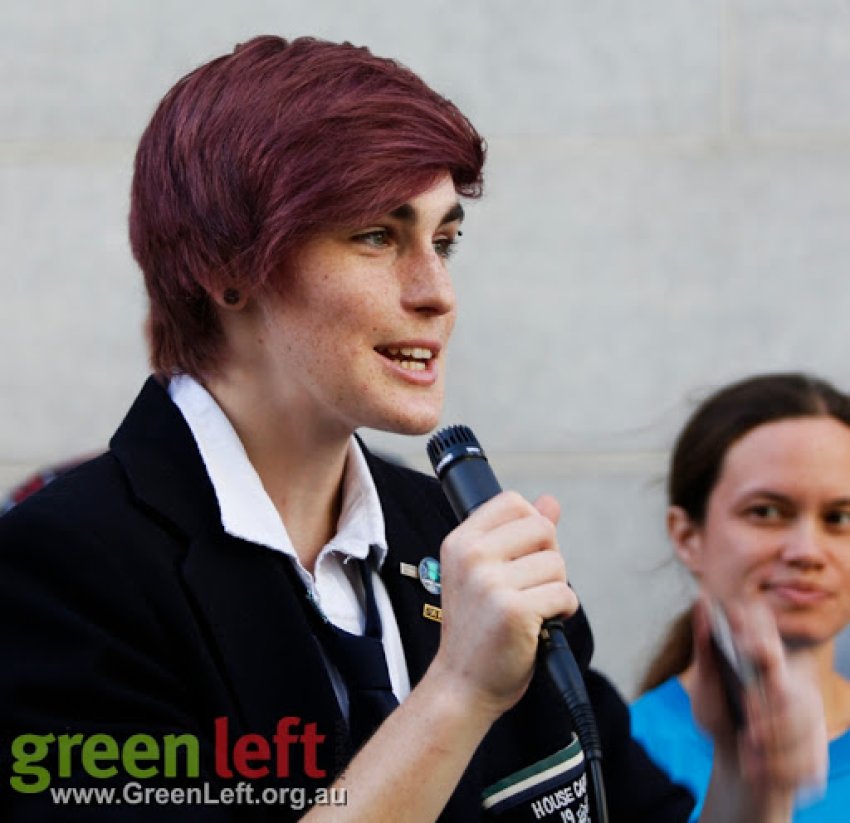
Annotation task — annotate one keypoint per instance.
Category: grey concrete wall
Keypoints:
(667, 209)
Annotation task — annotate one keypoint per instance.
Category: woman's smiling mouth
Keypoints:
(411, 358)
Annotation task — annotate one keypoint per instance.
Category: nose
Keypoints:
(804, 545)
(426, 287)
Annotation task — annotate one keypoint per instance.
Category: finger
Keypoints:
(535, 569)
(551, 600)
(504, 507)
(509, 540)
(757, 636)
(471, 542)
(509, 505)
(549, 507)
(709, 698)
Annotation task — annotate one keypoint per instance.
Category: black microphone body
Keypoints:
(468, 481)
(461, 466)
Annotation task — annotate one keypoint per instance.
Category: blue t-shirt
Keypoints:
(663, 723)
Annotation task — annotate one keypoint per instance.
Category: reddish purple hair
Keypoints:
(254, 152)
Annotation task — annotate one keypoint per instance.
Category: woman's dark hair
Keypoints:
(697, 460)
(730, 413)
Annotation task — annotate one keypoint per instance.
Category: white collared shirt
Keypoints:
(247, 512)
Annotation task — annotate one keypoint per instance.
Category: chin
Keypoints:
(409, 422)
(421, 428)
(412, 426)
(412, 418)
(801, 636)
(794, 642)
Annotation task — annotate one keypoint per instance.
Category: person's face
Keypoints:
(777, 526)
(357, 335)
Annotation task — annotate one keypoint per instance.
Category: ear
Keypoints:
(229, 299)
(686, 537)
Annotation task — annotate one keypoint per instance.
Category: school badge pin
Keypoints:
(429, 575)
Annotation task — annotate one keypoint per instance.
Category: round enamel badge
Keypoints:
(429, 575)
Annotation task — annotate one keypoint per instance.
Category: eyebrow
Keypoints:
(776, 497)
(407, 214)
(765, 494)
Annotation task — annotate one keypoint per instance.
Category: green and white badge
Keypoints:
(429, 575)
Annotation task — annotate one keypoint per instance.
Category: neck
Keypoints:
(834, 689)
(300, 463)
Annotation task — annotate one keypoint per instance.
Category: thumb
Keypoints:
(549, 508)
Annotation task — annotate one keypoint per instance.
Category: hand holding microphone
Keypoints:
(469, 483)
(502, 575)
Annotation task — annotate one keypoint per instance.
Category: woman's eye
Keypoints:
(445, 247)
(839, 517)
(376, 238)
(765, 511)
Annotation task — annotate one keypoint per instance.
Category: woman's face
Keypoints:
(777, 526)
(357, 337)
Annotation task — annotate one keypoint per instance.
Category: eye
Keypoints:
(445, 247)
(764, 512)
(838, 517)
(374, 238)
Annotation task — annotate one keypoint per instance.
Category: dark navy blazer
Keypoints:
(125, 608)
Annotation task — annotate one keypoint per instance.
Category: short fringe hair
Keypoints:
(258, 150)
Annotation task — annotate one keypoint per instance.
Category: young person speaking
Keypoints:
(238, 575)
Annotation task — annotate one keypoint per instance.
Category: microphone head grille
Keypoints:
(456, 440)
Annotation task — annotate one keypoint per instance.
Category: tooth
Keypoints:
(417, 353)
(393, 351)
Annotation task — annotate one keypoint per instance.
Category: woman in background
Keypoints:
(759, 494)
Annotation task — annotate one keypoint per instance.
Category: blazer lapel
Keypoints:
(416, 518)
(247, 601)
(257, 619)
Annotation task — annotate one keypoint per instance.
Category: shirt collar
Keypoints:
(246, 509)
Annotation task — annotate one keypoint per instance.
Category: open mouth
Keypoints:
(412, 359)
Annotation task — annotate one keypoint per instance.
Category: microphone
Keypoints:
(468, 481)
